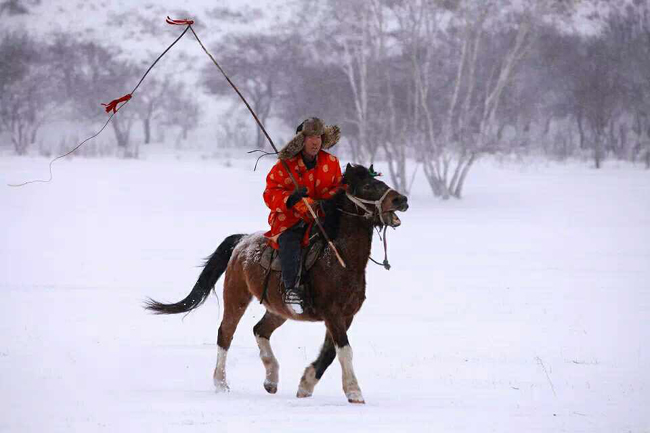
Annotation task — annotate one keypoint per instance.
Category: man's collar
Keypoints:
(309, 164)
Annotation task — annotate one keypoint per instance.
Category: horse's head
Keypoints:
(377, 199)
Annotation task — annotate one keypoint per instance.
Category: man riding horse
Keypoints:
(336, 292)
(318, 174)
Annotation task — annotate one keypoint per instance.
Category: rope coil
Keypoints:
(113, 107)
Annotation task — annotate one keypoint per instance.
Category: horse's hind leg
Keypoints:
(263, 330)
(235, 301)
(315, 370)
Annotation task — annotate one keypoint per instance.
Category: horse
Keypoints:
(336, 292)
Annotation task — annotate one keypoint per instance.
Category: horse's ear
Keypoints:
(371, 169)
(346, 174)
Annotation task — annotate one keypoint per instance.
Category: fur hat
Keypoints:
(330, 135)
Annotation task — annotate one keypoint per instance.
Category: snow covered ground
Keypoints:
(524, 307)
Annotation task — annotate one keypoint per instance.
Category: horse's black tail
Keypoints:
(215, 265)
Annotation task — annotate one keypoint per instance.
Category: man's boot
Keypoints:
(294, 297)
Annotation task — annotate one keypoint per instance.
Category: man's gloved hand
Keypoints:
(296, 196)
(301, 207)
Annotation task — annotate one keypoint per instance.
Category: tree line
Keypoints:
(431, 85)
(63, 78)
(436, 85)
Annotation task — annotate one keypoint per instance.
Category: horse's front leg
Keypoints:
(315, 370)
(338, 330)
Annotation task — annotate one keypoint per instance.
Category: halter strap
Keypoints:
(359, 202)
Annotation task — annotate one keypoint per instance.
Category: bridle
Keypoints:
(369, 214)
(359, 202)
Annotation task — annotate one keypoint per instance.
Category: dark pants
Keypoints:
(290, 256)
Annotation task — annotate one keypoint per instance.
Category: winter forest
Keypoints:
(422, 85)
(518, 294)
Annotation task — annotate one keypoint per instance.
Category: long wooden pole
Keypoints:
(284, 164)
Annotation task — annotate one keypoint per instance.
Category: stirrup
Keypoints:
(293, 298)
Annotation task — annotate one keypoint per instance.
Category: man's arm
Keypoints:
(278, 189)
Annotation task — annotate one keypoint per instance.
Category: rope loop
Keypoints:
(186, 22)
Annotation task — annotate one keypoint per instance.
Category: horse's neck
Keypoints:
(355, 236)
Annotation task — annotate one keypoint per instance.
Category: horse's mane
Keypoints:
(332, 209)
(332, 206)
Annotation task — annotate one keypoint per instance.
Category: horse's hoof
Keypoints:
(303, 393)
(221, 387)
(271, 387)
(355, 397)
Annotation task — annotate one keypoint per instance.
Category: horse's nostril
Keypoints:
(401, 203)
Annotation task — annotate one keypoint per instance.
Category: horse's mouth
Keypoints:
(392, 220)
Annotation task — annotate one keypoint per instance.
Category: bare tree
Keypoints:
(255, 62)
(487, 41)
(24, 99)
(473, 124)
(599, 92)
(232, 131)
(151, 103)
(180, 109)
(93, 74)
(349, 35)
(628, 31)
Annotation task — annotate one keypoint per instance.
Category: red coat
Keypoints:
(322, 182)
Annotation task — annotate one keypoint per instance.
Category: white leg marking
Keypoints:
(307, 382)
(270, 364)
(220, 371)
(350, 384)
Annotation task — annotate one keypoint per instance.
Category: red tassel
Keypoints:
(112, 106)
(179, 22)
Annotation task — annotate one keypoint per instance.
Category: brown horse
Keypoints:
(336, 293)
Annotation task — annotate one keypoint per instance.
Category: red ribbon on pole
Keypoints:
(112, 106)
(187, 22)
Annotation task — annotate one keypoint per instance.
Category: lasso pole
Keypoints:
(284, 164)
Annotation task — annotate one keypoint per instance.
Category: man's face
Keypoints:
(312, 145)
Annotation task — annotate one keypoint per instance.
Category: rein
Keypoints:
(385, 263)
(368, 214)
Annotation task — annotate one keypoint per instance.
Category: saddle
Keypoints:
(270, 262)
(271, 259)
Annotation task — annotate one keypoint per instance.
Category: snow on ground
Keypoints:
(522, 307)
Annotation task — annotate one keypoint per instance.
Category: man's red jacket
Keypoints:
(322, 182)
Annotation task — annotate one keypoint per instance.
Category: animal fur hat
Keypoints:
(330, 135)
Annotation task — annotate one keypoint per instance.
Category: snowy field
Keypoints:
(523, 307)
